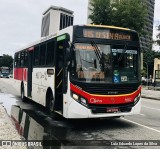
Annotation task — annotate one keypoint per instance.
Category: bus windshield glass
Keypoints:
(105, 63)
(5, 71)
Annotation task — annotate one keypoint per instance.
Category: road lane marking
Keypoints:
(151, 108)
(142, 125)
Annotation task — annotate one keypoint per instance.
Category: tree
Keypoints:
(6, 60)
(148, 59)
(125, 13)
(101, 12)
(158, 36)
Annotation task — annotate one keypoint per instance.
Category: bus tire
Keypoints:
(22, 93)
(50, 102)
(50, 106)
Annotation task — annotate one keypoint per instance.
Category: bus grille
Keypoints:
(96, 109)
(110, 90)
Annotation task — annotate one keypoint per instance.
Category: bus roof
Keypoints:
(107, 26)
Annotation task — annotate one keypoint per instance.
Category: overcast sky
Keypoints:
(20, 20)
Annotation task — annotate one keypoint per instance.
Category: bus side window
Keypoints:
(25, 59)
(50, 54)
(36, 56)
(15, 60)
(18, 59)
(42, 54)
(22, 59)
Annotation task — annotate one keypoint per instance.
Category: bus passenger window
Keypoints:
(22, 59)
(15, 60)
(42, 54)
(36, 56)
(25, 59)
(50, 54)
(18, 60)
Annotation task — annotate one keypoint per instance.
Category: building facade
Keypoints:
(156, 72)
(146, 40)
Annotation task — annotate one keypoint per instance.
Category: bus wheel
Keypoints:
(50, 107)
(51, 103)
(22, 93)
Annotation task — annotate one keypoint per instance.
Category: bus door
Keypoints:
(60, 72)
(30, 68)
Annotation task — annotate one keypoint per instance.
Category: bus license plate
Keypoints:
(112, 110)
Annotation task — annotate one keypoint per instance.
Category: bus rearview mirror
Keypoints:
(68, 54)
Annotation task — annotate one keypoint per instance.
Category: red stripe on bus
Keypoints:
(106, 99)
(20, 74)
(31, 49)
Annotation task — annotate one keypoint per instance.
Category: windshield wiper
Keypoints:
(123, 52)
(97, 51)
(98, 54)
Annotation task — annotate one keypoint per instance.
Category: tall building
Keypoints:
(146, 41)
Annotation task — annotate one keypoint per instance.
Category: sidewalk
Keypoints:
(151, 93)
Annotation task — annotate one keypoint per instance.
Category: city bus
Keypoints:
(4, 72)
(82, 71)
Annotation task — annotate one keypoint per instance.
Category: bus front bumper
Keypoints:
(76, 110)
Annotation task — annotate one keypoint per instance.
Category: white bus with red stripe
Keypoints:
(87, 71)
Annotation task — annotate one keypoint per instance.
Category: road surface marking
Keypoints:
(151, 108)
(142, 125)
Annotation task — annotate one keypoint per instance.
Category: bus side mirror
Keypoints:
(68, 54)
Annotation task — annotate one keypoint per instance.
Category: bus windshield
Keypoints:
(4, 71)
(106, 63)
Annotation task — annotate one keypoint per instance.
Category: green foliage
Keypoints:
(148, 59)
(6, 60)
(148, 56)
(158, 35)
(126, 13)
(143, 72)
(101, 12)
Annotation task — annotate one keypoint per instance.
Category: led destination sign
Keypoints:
(106, 34)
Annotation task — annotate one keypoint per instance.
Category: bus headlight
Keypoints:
(79, 99)
(75, 96)
(137, 99)
(83, 101)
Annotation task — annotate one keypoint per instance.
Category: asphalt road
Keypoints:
(145, 126)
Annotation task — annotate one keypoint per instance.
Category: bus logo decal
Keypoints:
(93, 100)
